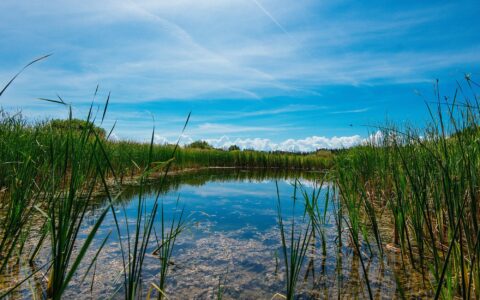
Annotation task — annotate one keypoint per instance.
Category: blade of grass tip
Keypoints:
(150, 150)
(104, 153)
(183, 131)
(90, 114)
(111, 130)
(60, 98)
(106, 107)
(42, 212)
(95, 94)
(23, 69)
(167, 169)
(52, 100)
(83, 250)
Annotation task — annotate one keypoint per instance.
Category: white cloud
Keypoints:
(308, 144)
(376, 138)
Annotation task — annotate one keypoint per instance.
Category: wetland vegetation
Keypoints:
(85, 216)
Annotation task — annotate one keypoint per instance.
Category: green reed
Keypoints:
(316, 213)
(73, 176)
(17, 202)
(50, 179)
(166, 244)
(128, 159)
(294, 243)
(424, 183)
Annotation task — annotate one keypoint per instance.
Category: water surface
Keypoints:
(233, 241)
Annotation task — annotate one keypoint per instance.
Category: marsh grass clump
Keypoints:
(123, 153)
(166, 244)
(316, 212)
(426, 183)
(68, 194)
(45, 181)
(51, 182)
(50, 174)
(295, 239)
(19, 193)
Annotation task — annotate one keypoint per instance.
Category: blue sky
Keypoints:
(267, 74)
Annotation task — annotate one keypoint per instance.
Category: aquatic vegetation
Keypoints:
(52, 172)
(317, 214)
(166, 244)
(412, 191)
(51, 181)
(295, 244)
(428, 182)
(67, 196)
(127, 159)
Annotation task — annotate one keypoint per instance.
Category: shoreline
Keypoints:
(133, 181)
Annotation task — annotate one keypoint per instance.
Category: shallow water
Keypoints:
(233, 241)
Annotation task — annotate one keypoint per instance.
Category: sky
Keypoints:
(264, 74)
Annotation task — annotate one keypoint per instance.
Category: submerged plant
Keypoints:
(316, 213)
(165, 246)
(138, 239)
(294, 244)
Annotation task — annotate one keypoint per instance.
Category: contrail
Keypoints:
(266, 12)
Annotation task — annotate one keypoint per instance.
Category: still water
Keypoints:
(231, 245)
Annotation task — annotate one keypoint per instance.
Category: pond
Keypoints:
(231, 243)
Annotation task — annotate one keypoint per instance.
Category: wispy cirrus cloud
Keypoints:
(234, 115)
(351, 111)
(281, 110)
(151, 51)
(241, 66)
(216, 128)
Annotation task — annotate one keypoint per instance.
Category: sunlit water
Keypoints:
(233, 243)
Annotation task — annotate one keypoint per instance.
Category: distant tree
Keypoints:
(76, 125)
(233, 148)
(324, 152)
(200, 145)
